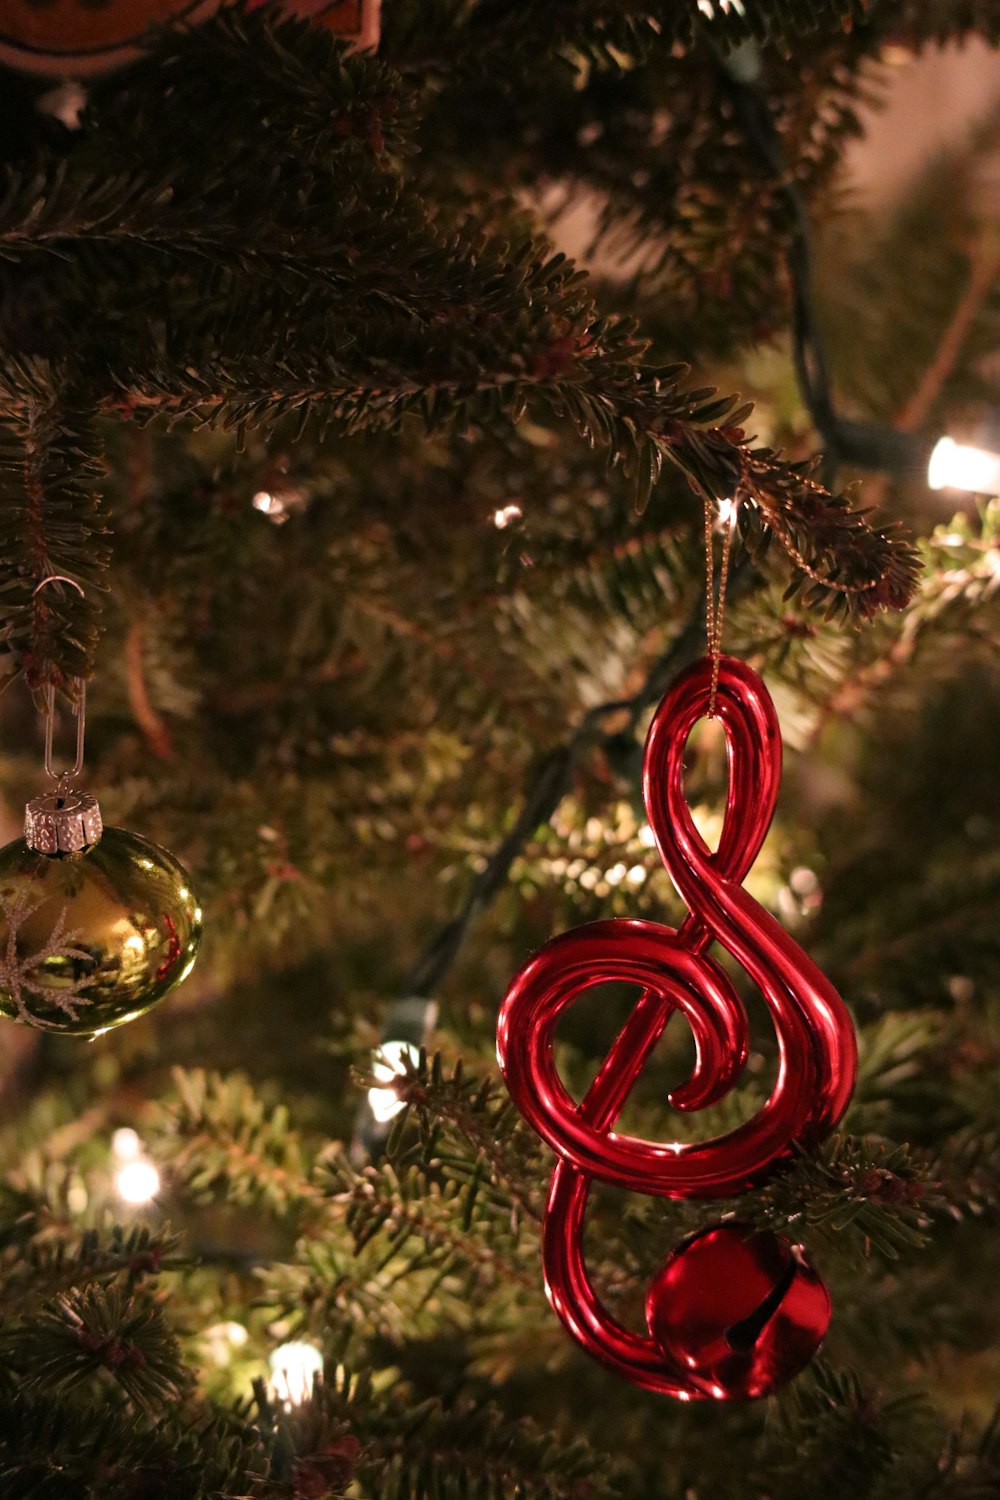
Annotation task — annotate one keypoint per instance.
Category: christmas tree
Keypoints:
(376, 526)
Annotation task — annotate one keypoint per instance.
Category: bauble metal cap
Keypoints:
(62, 823)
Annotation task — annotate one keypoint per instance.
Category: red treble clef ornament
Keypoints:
(733, 1313)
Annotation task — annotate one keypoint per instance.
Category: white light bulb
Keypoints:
(221, 1339)
(294, 1367)
(727, 512)
(278, 505)
(388, 1064)
(77, 1196)
(137, 1182)
(126, 1145)
(506, 516)
(956, 466)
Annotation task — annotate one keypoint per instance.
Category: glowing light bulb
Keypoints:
(136, 1179)
(126, 1145)
(956, 466)
(388, 1064)
(222, 1339)
(279, 505)
(294, 1368)
(728, 510)
(268, 505)
(506, 516)
(77, 1196)
(137, 1182)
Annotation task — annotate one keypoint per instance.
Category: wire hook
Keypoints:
(65, 778)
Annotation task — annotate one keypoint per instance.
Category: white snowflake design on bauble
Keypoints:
(19, 975)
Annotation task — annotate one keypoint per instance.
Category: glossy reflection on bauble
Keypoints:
(93, 939)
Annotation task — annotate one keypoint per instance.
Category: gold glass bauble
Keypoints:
(93, 939)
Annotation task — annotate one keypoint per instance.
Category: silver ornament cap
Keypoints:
(62, 822)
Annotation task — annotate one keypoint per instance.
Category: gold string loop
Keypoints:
(715, 608)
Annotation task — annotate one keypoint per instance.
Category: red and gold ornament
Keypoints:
(733, 1313)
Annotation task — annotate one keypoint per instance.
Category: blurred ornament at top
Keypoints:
(69, 38)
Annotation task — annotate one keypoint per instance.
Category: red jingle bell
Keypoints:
(740, 1312)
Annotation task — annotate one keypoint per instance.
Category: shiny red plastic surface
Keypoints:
(816, 1045)
(739, 1312)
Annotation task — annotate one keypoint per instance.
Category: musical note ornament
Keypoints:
(734, 1312)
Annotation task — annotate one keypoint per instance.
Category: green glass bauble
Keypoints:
(93, 938)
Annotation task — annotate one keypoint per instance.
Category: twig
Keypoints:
(849, 695)
(153, 727)
(984, 270)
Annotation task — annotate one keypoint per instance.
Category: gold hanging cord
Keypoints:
(723, 512)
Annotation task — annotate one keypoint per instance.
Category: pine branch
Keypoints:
(846, 563)
(81, 1333)
(55, 1448)
(49, 467)
(314, 97)
(850, 1439)
(859, 1193)
(950, 610)
(447, 1450)
(481, 1117)
(398, 316)
(451, 1218)
(218, 1136)
(48, 1266)
(607, 34)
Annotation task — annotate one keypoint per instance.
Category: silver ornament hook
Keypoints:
(66, 821)
(64, 778)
